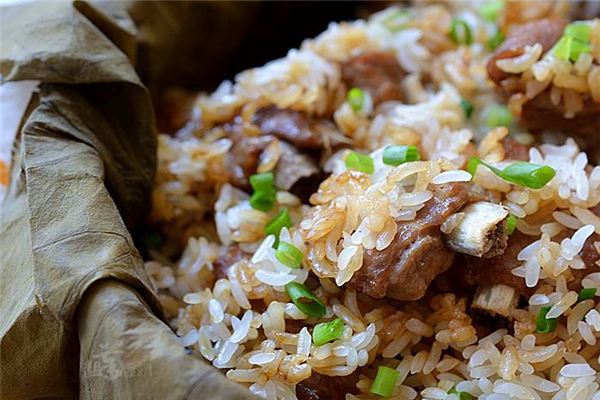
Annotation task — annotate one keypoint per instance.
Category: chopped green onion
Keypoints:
(263, 201)
(467, 108)
(356, 99)
(289, 255)
(460, 33)
(385, 381)
(562, 48)
(328, 331)
(395, 155)
(475, 162)
(392, 23)
(360, 162)
(305, 300)
(262, 182)
(528, 174)
(498, 116)
(587, 294)
(264, 194)
(578, 48)
(460, 395)
(579, 31)
(511, 224)
(574, 42)
(543, 324)
(496, 40)
(520, 173)
(282, 220)
(490, 10)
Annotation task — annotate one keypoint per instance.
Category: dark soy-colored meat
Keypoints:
(417, 255)
(244, 157)
(545, 31)
(321, 387)
(482, 271)
(293, 126)
(378, 73)
(478, 271)
(292, 167)
(229, 256)
(514, 150)
(540, 114)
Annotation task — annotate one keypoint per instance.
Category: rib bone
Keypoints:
(481, 232)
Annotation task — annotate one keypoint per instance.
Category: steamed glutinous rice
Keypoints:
(451, 248)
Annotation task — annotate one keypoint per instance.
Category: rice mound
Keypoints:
(245, 323)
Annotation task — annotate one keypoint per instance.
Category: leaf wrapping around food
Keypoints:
(78, 315)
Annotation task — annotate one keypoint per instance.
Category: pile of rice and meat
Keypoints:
(401, 208)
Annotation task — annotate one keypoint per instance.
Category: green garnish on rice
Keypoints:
(360, 162)
(305, 300)
(395, 155)
(264, 194)
(385, 381)
(328, 331)
(460, 32)
(520, 173)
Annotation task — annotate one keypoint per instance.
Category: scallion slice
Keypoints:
(578, 48)
(460, 33)
(360, 162)
(562, 48)
(264, 194)
(528, 174)
(460, 395)
(467, 108)
(282, 220)
(543, 324)
(289, 255)
(498, 116)
(327, 331)
(496, 40)
(511, 224)
(263, 201)
(385, 381)
(305, 300)
(356, 99)
(520, 173)
(579, 31)
(491, 9)
(262, 182)
(587, 294)
(395, 155)
(574, 42)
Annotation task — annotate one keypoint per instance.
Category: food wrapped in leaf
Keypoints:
(446, 253)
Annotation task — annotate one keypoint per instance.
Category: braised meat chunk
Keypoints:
(417, 255)
(245, 155)
(322, 387)
(541, 114)
(514, 150)
(573, 110)
(473, 270)
(290, 125)
(497, 270)
(378, 73)
(543, 31)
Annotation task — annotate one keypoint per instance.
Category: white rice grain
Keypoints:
(452, 176)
